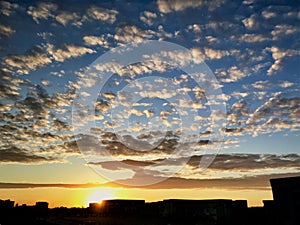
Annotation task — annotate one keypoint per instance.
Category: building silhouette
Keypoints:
(286, 195)
(283, 210)
(6, 204)
(41, 205)
(216, 211)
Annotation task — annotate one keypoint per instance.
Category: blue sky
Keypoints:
(48, 49)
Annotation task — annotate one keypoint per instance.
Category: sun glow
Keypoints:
(99, 195)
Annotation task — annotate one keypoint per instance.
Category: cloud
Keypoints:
(9, 87)
(268, 85)
(286, 84)
(252, 38)
(7, 7)
(268, 14)
(261, 182)
(148, 113)
(106, 146)
(65, 18)
(33, 59)
(67, 51)
(251, 23)
(233, 131)
(283, 31)
(102, 14)
(279, 55)
(234, 169)
(245, 183)
(129, 34)
(60, 185)
(215, 54)
(6, 30)
(168, 6)
(31, 132)
(148, 17)
(234, 74)
(94, 40)
(276, 114)
(262, 85)
(249, 162)
(13, 154)
(249, 43)
(44, 10)
(224, 168)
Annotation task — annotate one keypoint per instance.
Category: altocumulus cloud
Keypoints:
(249, 51)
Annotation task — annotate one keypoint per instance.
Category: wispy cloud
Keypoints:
(46, 51)
(7, 8)
(6, 30)
(67, 51)
(166, 6)
(43, 10)
(32, 60)
(247, 183)
(102, 14)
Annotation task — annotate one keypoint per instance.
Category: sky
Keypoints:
(147, 99)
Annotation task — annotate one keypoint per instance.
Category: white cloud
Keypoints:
(162, 34)
(276, 114)
(176, 58)
(148, 17)
(278, 55)
(167, 6)
(129, 34)
(136, 112)
(251, 38)
(68, 51)
(234, 73)
(262, 85)
(286, 84)
(66, 17)
(45, 35)
(25, 63)
(6, 30)
(94, 40)
(251, 23)
(195, 27)
(113, 67)
(215, 54)
(283, 30)
(44, 10)
(46, 83)
(102, 14)
(190, 104)
(268, 14)
(6, 7)
(148, 113)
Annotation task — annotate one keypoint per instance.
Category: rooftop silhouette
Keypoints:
(280, 211)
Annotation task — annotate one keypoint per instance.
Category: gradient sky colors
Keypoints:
(46, 49)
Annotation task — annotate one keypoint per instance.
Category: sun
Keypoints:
(99, 195)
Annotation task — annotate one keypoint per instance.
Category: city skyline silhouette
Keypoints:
(282, 210)
(190, 106)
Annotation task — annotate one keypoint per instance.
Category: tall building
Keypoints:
(286, 195)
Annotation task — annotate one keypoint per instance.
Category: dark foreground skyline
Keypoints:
(280, 211)
(247, 55)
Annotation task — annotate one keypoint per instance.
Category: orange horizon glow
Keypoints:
(71, 197)
(99, 195)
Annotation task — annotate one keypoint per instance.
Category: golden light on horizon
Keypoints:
(100, 194)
